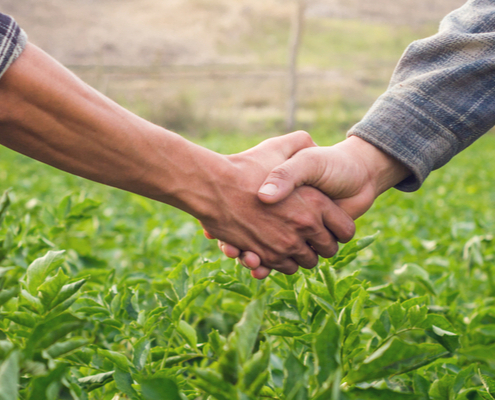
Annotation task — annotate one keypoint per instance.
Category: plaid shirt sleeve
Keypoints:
(12, 42)
(441, 97)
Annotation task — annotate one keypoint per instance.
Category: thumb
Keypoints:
(288, 176)
(289, 144)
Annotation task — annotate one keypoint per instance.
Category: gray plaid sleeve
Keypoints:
(12, 42)
(441, 97)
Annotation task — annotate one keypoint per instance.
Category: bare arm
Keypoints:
(49, 114)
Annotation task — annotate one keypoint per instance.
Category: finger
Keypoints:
(324, 244)
(302, 169)
(338, 222)
(287, 266)
(250, 260)
(307, 258)
(261, 272)
(207, 235)
(290, 143)
(230, 251)
(220, 245)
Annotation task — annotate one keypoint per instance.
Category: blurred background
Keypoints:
(202, 67)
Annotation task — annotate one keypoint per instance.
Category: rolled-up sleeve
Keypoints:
(441, 97)
(12, 42)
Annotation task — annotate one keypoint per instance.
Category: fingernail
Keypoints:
(269, 189)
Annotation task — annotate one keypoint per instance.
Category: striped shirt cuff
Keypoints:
(12, 42)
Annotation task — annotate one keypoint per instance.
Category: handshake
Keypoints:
(278, 206)
(287, 201)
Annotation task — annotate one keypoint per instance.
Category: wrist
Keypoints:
(188, 178)
(383, 170)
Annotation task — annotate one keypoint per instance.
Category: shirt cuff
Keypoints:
(13, 41)
(401, 124)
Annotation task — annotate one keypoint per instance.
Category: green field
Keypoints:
(141, 306)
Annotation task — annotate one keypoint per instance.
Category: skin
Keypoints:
(49, 114)
(353, 173)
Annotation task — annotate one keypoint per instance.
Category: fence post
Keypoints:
(294, 46)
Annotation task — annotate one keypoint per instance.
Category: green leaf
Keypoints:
(485, 353)
(462, 377)
(51, 287)
(295, 382)
(357, 245)
(9, 377)
(488, 384)
(421, 385)
(254, 368)
(40, 268)
(441, 389)
(123, 381)
(5, 348)
(357, 311)
(62, 348)
(287, 330)
(326, 348)
(49, 332)
(120, 360)
(216, 341)
(318, 289)
(213, 383)
(437, 320)
(447, 339)
(7, 294)
(67, 291)
(93, 382)
(189, 333)
(396, 314)
(21, 318)
(330, 279)
(414, 271)
(382, 325)
(4, 205)
(171, 361)
(47, 386)
(33, 303)
(178, 277)
(243, 337)
(393, 358)
(228, 365)
(343, 287)
(82, 209)
(141, 351)
(417, 315)
(415, 301)
(375, 394)
(194, 292)
(344, 262)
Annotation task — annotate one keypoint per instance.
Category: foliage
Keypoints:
(105, 295)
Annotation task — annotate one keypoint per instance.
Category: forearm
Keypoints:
(49, 114)
(381, 171)
(441, 97)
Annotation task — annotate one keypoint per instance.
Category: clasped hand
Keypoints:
(307, 197)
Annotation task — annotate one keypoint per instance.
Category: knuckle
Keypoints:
(333, 249)
(306, 221)
(283, 173)
(305, 137)
(311, 264)
(271, 260)
(348, 232)
(291, 271)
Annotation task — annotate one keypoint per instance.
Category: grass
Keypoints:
(132, 265)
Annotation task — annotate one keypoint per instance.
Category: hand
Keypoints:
(353, 173)
(284, 235)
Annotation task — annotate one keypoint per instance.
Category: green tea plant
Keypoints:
(110, 296)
